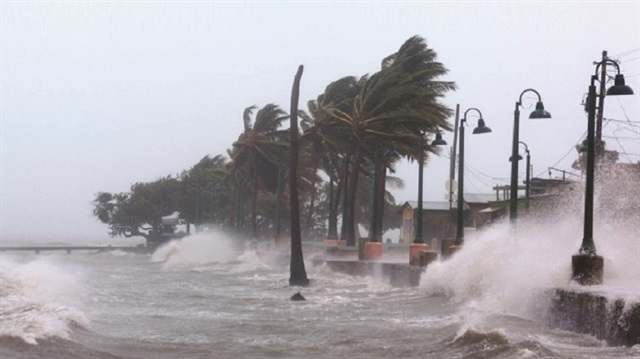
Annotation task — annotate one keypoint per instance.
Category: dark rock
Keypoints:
(297, 297)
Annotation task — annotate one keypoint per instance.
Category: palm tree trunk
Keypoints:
(332, 232)
(309, 219)
(234, 203)
(298, 274)
(351, 205)
(381, 190)
(343, 188)
(254, 205)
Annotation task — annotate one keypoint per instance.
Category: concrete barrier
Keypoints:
(426, 257)
(395, 274)
(373, 251)
(615, 320)
(362, 241)
(414, 252)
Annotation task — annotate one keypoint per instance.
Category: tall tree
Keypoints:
(258, 152)
(327, 140)
(393, 106)
(205, 196)
(140, 211)
(298, 274)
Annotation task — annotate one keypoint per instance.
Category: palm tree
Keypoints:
(326, 140)
(394, 106)
(298, 274)
(258, 153)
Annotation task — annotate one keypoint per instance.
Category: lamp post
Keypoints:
(373, 247)
(480, 129)
(539, 113)
(527, 175)
(418, 244)
(587, 267)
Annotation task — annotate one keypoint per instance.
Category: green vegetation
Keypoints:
(354, 119)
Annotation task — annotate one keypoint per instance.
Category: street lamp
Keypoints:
(587, 267)
(527, 175)
(480, 129)
(418, 244)
(539, 113)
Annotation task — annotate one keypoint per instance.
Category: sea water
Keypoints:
(205, 297)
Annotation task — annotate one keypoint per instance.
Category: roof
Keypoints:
(479, 197)
(435, 205)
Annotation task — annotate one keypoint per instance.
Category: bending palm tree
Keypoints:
(258, 152)
(394, 106)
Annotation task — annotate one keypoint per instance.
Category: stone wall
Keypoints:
(615, 321)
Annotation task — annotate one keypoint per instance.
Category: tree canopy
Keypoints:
(348, 126)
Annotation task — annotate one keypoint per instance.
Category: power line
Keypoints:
(628, 121)
(566, 154)
(626, 53)
(622, 138)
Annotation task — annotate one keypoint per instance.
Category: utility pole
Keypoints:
(599, 146)
(452, 169)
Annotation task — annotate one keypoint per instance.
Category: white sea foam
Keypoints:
(510, 271)
(39, 299)
(199, 249)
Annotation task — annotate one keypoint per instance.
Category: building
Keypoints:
(439, 217)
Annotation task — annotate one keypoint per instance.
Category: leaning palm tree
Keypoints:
(258, 151)
(394, 105)
(328, 141)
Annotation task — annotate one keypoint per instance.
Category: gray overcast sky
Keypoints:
(96, 96)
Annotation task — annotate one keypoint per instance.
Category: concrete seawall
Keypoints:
(396, 274)
(615, 320)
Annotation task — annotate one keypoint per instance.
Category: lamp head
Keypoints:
(438, 141)
(619, 87)
(540, 112)
(482, 128)
(511, 158)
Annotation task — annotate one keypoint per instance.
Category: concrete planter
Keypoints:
(414, 252)
(372, 251)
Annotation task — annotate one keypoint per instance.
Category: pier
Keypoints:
(69, 249)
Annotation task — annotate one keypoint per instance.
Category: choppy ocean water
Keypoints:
(201, 298)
